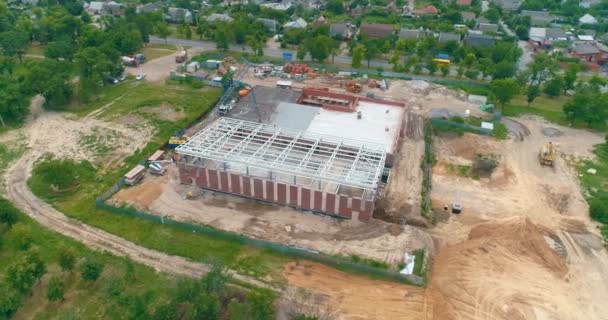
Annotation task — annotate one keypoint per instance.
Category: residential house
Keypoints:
(587, 19)
(479, 40)
(100, 8)
(342, 30)
(467, 15)
(319, 21)
(590, 52)
(509, 5)
(429, 10)
(219, 17)
(463, 2)
(445, 37)
(270, 24)
(296, 24)
(411, 34)
(544, 37)
(357, 11)
(588, 32)
(487, 27)
(482, 20)
(150, 7)
(281, 6)
(179, 15)
(585, 38)
(114, 8)
(538, 18)
(94, 7)
(604, 38)
(376, 30)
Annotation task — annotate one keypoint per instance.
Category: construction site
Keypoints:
(332, 163)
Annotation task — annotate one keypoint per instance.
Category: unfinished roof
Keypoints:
(348, 162)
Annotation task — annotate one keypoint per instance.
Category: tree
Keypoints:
(25, 272)
(471, 74)
(542, 68)
(162, 30)
(445, 70)
(504, 90)
(486, 66)
(215, 280)
(8, 215)
(262, 304)
(14, 105)
(460, 70)
(522, 32)
(469, 59)
(55, 289)
(201, 30)
(187, 31)
(319, 47)
(504, 70)
(93, 66)
(335, 6)
(554, 87)
(570, 76)
(533, 93)
(357, 57)
(431, 66)
(14, 43)
(63, 48)
(21, 236)
(302, 52)
(9, 301)
(91, 270)
(52, 79)
(207, 306)
(493, 15)
(67, 259)
(588, 104)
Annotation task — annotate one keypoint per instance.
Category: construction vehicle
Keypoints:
(547, 154)
(176, 141)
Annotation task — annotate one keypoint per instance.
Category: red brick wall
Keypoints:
(366, 213)
(318, 202)
(330, 203)
(293, 195)
(213, 180)
(281, 193)
(344, 210)
(235, 183)
(258, 188)
(305, 198)
(247, 186)
(270, 190)
(224, 182)
(202, 181)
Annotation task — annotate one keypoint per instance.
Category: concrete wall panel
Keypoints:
(366, 213)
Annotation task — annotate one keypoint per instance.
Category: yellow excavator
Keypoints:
(547, 154)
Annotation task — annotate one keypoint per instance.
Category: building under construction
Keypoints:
(326, 153)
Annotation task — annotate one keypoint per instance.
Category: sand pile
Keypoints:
(498, 273)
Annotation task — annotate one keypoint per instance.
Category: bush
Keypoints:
(8, 213)
(9, 301)
(56, 289)
(21, 236)
(63, 176)
(91, 270)
(67, 259)
(484, 165)
(598, 209)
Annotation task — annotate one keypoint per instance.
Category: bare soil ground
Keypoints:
(356, 298)
(158, 70)
(166, 196)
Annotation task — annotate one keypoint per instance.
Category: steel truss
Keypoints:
(318, 157)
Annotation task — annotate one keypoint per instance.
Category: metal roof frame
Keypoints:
(325, 158)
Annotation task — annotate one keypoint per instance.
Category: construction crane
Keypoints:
(547, 154)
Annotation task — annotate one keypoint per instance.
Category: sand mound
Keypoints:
(502, 270)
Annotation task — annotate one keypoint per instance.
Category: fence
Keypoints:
(292, 251)
(427, 173)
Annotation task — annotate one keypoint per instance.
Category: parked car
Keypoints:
(111, 80)
(140, 76)
(122, 77)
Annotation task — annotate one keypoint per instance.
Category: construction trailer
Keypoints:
(304, 170)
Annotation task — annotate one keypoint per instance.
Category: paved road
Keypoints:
(274, 53)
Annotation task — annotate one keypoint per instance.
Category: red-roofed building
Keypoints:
(376, 30)
(463, 2)
(428, 10)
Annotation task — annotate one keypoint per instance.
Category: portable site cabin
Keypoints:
(135, 175)
(156, 156)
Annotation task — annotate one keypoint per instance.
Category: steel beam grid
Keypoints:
(319, 157)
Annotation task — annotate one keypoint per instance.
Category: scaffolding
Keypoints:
(300, 158)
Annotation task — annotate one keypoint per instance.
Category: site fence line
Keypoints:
(427, 173)
(292, 251)
(445, 123)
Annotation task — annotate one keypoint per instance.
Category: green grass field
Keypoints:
(154, 51)
(81, 204)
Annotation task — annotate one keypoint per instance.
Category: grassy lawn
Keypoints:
(81, 204)
(155, 51)
(106, 298)
(596, 184)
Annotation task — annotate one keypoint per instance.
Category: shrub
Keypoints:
(484, 165)
(55, 290)
(598, 209)
(91, 270)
